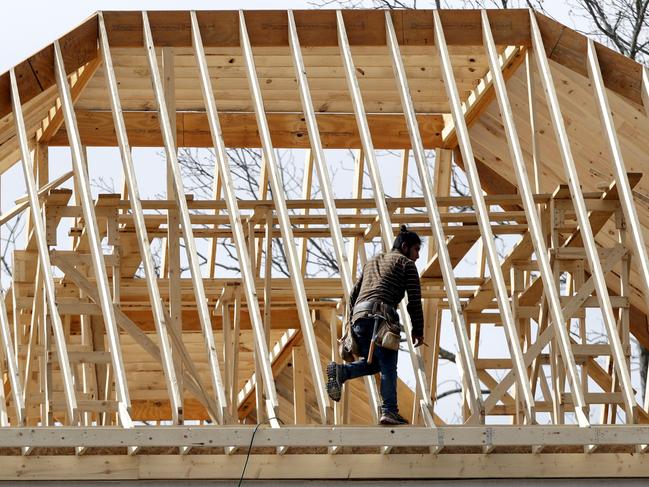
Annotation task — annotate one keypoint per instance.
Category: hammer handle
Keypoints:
(370, 354)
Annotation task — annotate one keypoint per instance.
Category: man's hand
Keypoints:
(418, 340)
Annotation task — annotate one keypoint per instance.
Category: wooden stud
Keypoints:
(43, 253)
(620, 173)
(285, 224)
(582, 216)
(483, 222)
(531, 95)
(299, 391)
(99, 266)
(317, 158)
(307, 184)
(467, 366)
(171, 251)
(243, 256)
(131, 184)
(550, 288)
(188, 234)
(377, 185)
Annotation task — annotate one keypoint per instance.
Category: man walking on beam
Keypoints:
(375, 329)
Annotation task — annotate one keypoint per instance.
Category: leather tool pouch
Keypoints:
(347, 346)
(387, 332)
(388, 335)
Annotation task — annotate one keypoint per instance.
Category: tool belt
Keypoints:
(386, 332)
(375, 307)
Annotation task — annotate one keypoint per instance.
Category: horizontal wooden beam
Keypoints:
(316, 27)
(345, 466)
(284, 318)
(294, 204)
(317, 436)
(288, 130)
(367, 233)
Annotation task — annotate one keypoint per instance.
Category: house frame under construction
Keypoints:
(115, 370)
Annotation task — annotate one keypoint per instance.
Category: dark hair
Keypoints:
(406, 237)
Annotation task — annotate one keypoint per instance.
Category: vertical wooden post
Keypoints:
(356, 244)
(531, 93)
(131, 184)
(246, 259)
(307, 185)
(299, 391)
(172, 249)
(483, 219)
(43, 252)
(274, 177)
(582, 217)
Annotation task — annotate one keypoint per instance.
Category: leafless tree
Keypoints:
(438, 4)
(621, 24)
(246, 168)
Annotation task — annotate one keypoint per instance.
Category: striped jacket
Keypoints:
(386, 278)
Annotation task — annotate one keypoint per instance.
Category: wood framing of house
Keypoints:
(113, 369)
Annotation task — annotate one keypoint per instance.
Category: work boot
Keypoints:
(334, 381)
(392, 419)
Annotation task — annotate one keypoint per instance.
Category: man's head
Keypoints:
(408, 243)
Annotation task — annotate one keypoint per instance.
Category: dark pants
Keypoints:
(383, 361)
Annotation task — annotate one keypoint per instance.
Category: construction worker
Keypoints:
(377, 293)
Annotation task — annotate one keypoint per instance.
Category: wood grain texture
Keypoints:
(338, 131)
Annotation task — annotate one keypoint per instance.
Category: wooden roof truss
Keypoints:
(75, 378)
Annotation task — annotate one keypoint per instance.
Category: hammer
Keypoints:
(370, 354)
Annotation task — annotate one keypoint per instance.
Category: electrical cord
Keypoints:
(252, 438)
